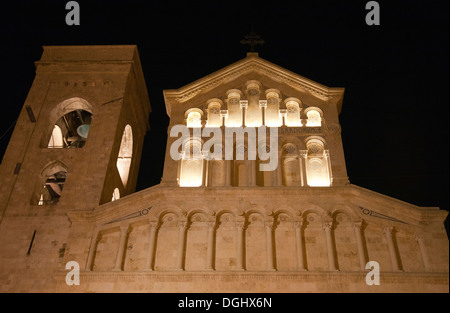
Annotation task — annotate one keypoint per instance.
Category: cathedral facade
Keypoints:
(254, 195)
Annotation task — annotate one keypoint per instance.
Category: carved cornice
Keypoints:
(242, 67)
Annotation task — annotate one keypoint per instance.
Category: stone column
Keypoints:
(240, 227)
(327, 226)
(303, 156)
(228, 173)
(279, 170)
(94, 242)
(182, 228)
(269, 246)
(205, 164)
(357, 226)
(210, 246)
(388, 232)
(118, 266)
(326, 155)
(149, 262)
(299, 245)
(423, 251)
(252, 180)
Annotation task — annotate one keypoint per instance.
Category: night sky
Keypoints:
(395, 125)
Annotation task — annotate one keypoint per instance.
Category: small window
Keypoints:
(116, 194)
(125, 154)
(52, 189)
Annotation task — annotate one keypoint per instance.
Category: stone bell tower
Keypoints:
(77, 144)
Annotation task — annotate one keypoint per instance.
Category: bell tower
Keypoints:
(77, 144)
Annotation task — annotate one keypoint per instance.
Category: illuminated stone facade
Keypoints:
(214, 223)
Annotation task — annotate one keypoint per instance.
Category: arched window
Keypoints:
(191, 164)
(116, 194)
(51, 184)
(194, 117)
(317, 164)
(71, 121)
(56, 140)
(125, 154)
(314, 118)
(293, 112)
(214, 118)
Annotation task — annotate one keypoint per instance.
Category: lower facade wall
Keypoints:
(255, 282)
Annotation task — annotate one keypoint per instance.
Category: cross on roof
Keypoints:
(252, 39)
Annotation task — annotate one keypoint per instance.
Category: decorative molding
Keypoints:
(129, 216)
(379, 215)
(300, 130)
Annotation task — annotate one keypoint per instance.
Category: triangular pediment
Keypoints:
(229, 76)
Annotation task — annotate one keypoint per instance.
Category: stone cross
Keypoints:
(252, 39)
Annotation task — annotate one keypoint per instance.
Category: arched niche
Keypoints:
(191, 164)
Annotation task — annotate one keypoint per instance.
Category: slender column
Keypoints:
(149, 262)
(357, 226)
(182, 227)
(118, 266)
(388, 230)
(263, 106)
(303, 155)
(244, 107)
(326, 154)
(240, 246)
(227, 172)
(330, 248)
(92, 250)
(299, 246)
(210, 247)
(423, 251)
(252, 164)
(269, 246)
(279, 171)
(204, 172)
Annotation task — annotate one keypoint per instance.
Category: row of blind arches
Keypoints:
(71, 121)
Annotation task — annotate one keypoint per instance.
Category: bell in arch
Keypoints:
(83, 130)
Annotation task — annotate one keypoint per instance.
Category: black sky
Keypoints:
(395, 125)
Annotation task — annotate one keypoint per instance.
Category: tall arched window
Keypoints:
(191, 164)
(51, 184)
(71, 121)
(314, 118)
(317, 164)
(125, 154)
